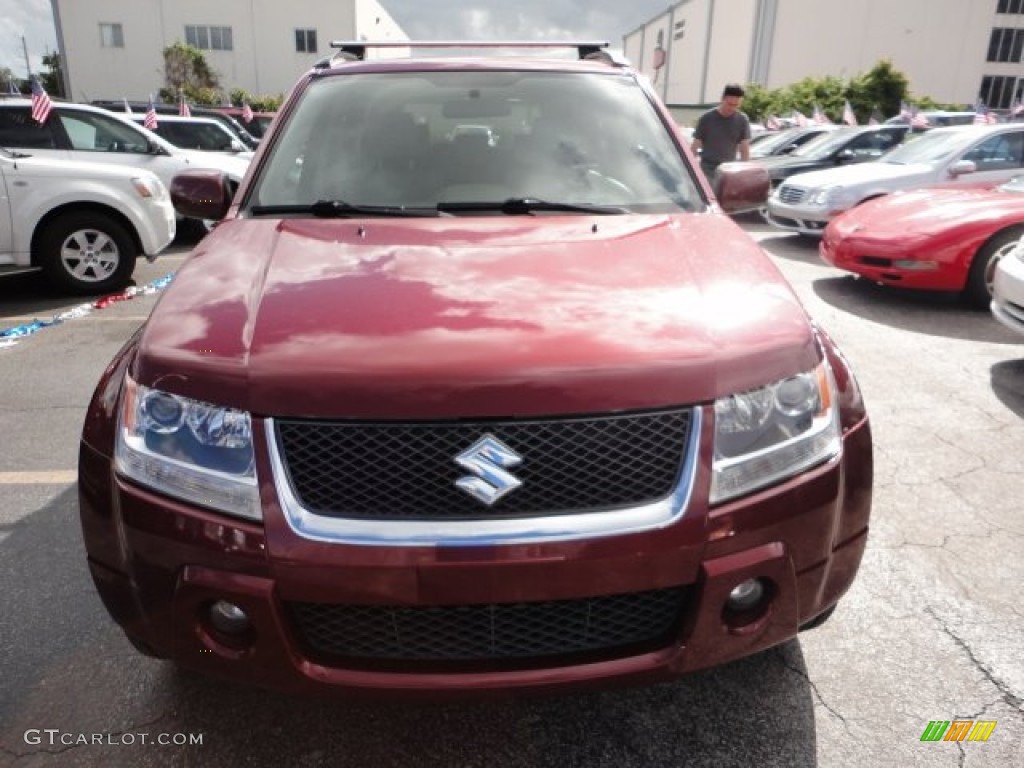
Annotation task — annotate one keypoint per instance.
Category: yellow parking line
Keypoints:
(50, 477)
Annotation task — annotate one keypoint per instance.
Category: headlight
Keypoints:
(187, 449)
(153, 188)
(766, 435)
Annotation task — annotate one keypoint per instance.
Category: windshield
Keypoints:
(824, 145)
(417, 140)
(932, 147)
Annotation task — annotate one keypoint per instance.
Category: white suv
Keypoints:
(92, 134)
(82, 224)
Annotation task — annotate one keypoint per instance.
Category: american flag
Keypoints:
(876, 117)
(983, 115)
(800, 118)
(905, 111)
(918, 120)
(41, 104)
(820, 117)
(183, 109)
(150, 122)
(848, 116)
(772, 123)
(1016, 108)
(246, 112)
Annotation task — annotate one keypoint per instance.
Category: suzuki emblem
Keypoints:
(487, 459)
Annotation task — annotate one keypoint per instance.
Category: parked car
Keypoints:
(92, 134)
(430, 413)
(941, 239)
(200, 133)
(974, 155)
(141, 107)
(256, 127)
(937, 118)
(786, 141)
(843, 146)
(81, 224)
(1008, 289)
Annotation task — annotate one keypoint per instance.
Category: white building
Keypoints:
(114, 48)
(954, 51)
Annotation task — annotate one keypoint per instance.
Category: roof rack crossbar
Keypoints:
(357, 48)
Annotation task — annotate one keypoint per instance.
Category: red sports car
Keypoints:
(937, 239)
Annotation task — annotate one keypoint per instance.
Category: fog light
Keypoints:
(745, 595)
(228, 618)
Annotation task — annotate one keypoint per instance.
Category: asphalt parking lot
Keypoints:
(931, 630)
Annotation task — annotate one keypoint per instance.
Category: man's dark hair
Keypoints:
(732, 90)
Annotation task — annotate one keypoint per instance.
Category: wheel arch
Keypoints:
(82, 207)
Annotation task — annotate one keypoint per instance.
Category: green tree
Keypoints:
(188, 74)
(263, 103)
(51, 77)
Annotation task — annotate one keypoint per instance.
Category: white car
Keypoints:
(91, 134)
(974, 155)
(82, 224)
(199, 133)
(1008, 290)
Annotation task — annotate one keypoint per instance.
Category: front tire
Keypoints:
(87, 253)
(978, 291)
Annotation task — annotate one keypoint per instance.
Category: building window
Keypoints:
(1006, 44)
(209, 38)
(111, 36)
(1000, 92)
(1010, 6)
(305, 40)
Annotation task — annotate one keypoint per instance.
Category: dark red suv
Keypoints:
(474, 388)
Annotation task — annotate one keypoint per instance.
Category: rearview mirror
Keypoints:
(742, 187)
(960, 167)
(201, 194)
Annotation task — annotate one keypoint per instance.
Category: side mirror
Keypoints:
(201, 194)
(742, 187)
(960, 167)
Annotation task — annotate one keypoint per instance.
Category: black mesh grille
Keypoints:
(489, 632)
(408, 471)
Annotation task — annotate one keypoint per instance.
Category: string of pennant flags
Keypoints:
(11, 336)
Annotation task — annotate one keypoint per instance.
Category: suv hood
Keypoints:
(473, 316)
(234, 165)
(44, 167)
(875, 174)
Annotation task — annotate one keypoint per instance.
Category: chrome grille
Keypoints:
(791, 195)
(406, 471)
(490, 631)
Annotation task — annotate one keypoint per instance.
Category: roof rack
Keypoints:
(355, 50)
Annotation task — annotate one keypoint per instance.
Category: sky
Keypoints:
(421, 19)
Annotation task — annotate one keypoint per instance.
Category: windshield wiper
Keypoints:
(339, 209)
(518, 206)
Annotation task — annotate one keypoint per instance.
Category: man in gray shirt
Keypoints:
(722, 133)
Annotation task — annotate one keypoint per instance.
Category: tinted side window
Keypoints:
(19, 131)
(98, 133)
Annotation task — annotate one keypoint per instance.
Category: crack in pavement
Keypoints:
(1007, 695)
(817, 694)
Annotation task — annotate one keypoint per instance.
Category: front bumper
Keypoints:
(159, 565)
(796, 218)
(1008, 293)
